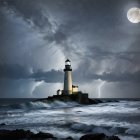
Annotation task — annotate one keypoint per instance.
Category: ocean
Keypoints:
(120, 118)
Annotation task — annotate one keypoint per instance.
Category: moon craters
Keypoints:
(133, 15)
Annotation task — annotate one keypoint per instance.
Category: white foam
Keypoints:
(134, 130)
(109, 118)
(128, 137)
(101, 130)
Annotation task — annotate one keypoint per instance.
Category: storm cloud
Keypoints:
(19, 72)
(36, 36)
(56, 76)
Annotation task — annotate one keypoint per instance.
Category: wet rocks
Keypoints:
(15, 134)
(69, 138)
(42, 135)
(20, 134)
(2, 124)
(98, 136)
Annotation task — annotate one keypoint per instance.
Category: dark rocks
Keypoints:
(42, 135)
(113, 138)
(81, 98)
(98, 136)
(23, 134)
(69, 138)
(2, 124)
(15, 134)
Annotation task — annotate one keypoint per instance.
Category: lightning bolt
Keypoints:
(36, 85)
(100, 87)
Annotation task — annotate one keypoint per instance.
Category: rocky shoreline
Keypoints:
(79, 98)
(20, 134)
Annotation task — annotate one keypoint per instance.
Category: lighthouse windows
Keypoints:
(67, 63)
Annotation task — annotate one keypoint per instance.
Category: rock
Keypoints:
(15, 134)
(69, 138)
(42, 135)
(113, 138)
(98, 136)
(2, 124)
(23, 134)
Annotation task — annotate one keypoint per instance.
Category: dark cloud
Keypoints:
(100, 53)
(108, 77)
(53, 76)
(120, 77)
(13, 72)
(30, 11)
(17, 72)
(95, 34)
(58, 37)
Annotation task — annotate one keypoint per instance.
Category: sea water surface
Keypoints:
(120, 118)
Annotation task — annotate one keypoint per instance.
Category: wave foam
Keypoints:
(80, 127)
(40, 105)
(133, 131)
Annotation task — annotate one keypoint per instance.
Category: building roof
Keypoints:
(67, 60)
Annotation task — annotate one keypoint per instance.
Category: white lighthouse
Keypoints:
(70, 92)
(67, 78)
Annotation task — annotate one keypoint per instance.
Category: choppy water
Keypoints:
(71, 119)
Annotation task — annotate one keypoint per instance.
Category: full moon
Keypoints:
(133, 15)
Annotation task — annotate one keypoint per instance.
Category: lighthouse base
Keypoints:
(67, 92)
(81, 98)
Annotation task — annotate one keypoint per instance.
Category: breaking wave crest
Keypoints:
(108, 130)
(40, 105)
(111, 118)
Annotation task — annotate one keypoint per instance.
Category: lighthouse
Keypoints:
(67, 78)
(70, 92)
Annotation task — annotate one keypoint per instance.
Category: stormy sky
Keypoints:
(37, 36)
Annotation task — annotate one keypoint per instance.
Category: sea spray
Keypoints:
(112, 118)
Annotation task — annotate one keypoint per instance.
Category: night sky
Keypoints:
(37, 36)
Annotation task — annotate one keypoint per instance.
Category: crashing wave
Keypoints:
(109, 131)
(40, 105)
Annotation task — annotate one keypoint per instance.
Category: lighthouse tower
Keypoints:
(67, 78)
